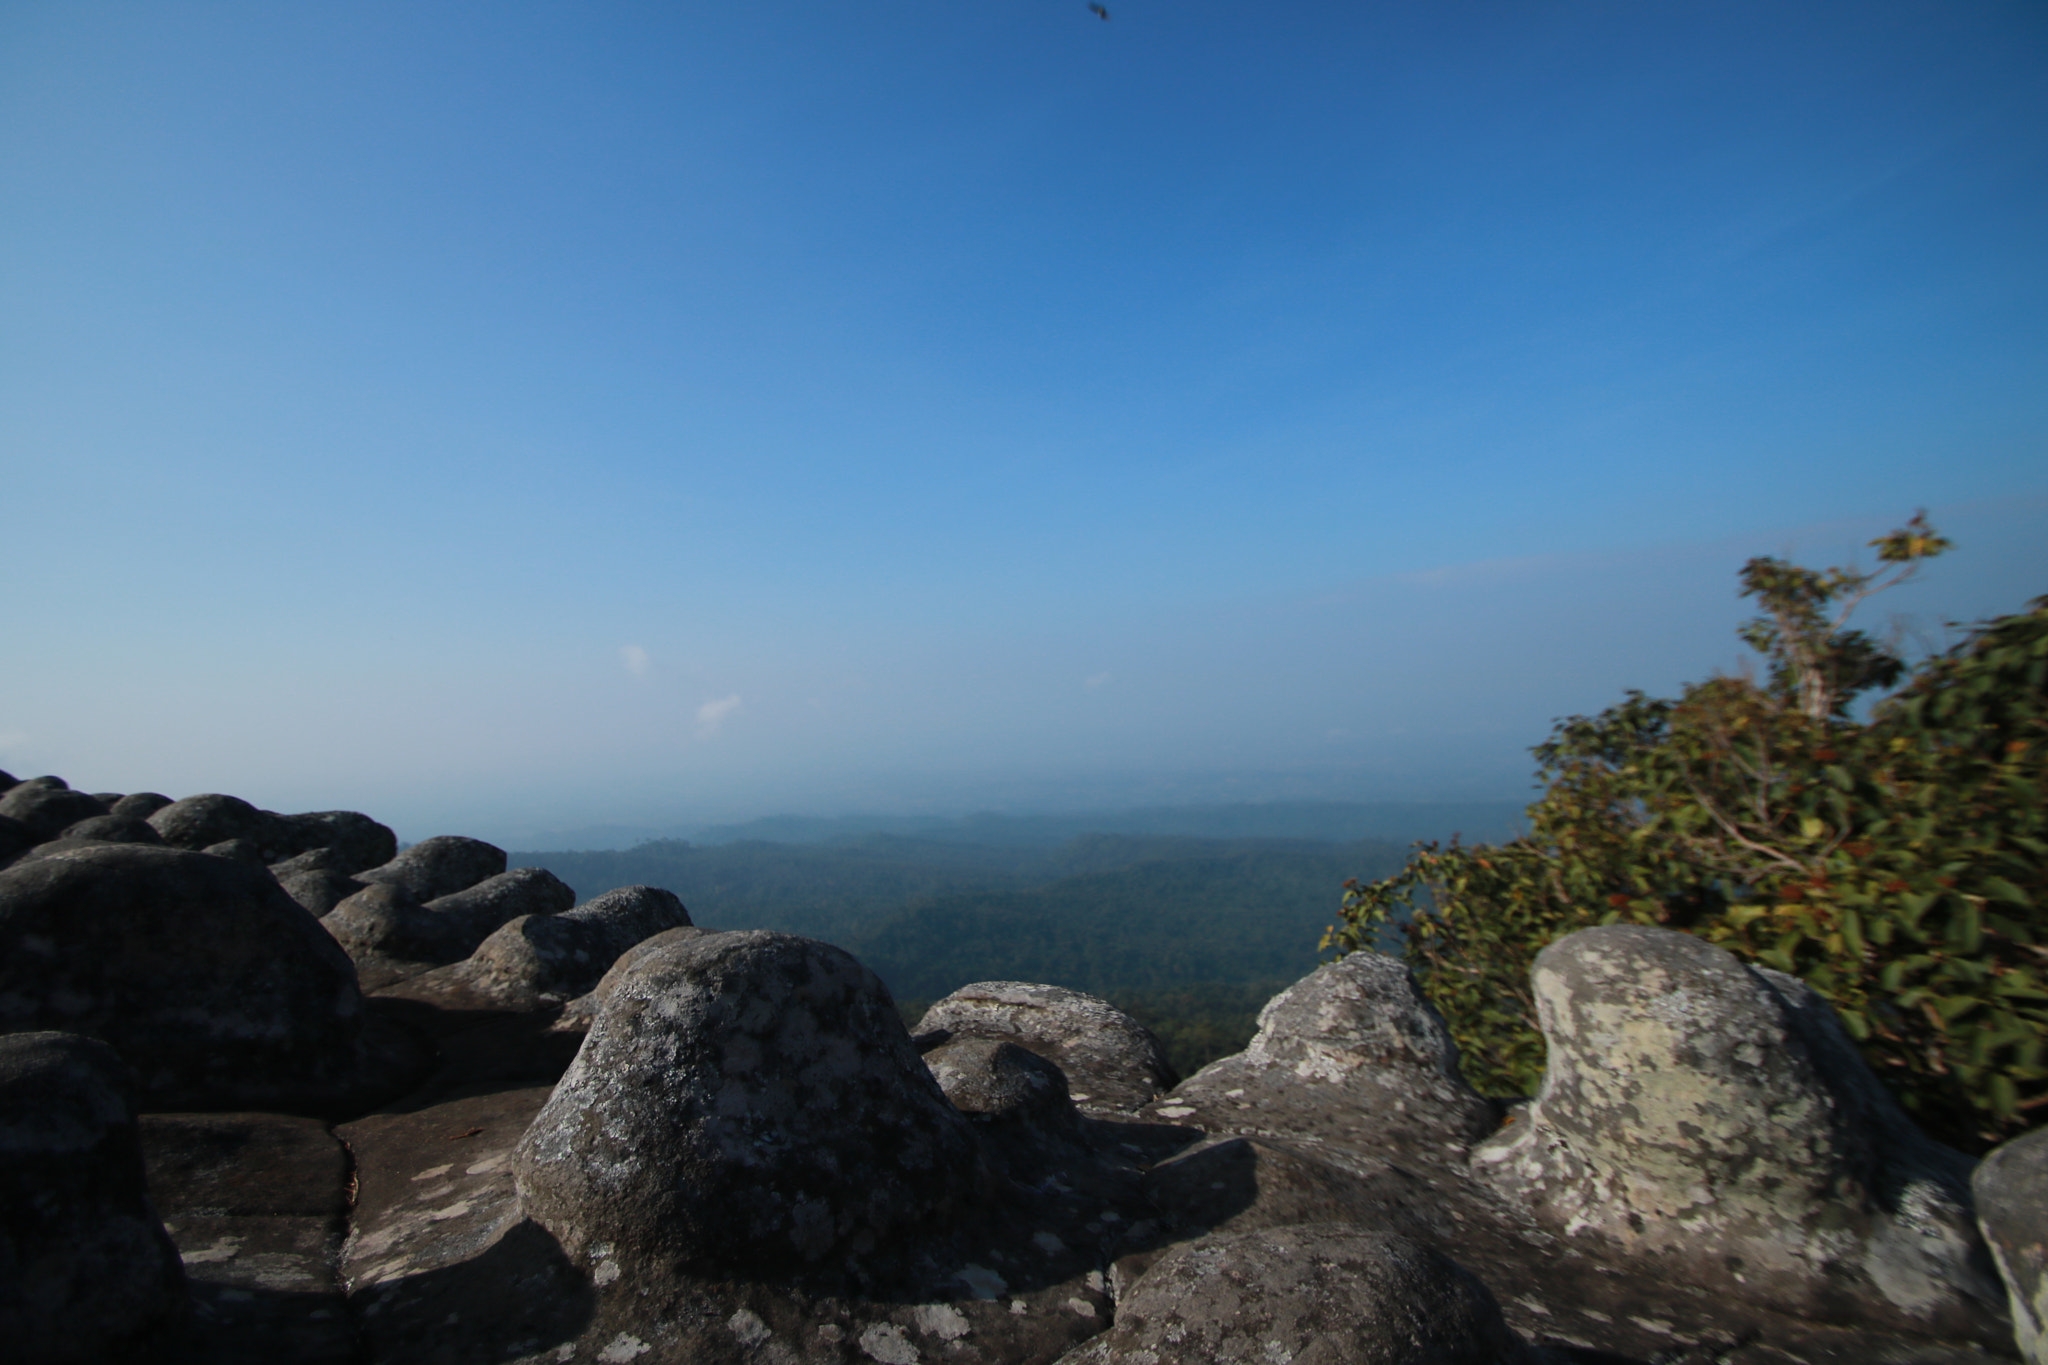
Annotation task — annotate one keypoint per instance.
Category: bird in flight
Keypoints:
(1098, 11)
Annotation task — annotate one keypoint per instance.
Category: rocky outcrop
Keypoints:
(745, 1103)
(1710, 1119)
(2011, 1187)
(206, 978)
(1112, 1061)
(439, 866)
(391, 935)
(556, 957)
(728, 1148)
(1352, 1045)
(45, 806)
(1317, 1293)
(87, 1273)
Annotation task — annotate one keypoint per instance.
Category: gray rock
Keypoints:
(107, 799)
(1351, 1050)
(318, 879)
(47, 811)
(744, 1103)
(140, 805)
(353, 842)
(239, 850)
(578, 1013)
(1111, 1060)
(207, 979)
(993, 1079)
(1715, 1126)
(8, 780)
(1322, 1294)
(2011, 1185)
(113, 829)
(384, 918)
(86, 1269)
(439, 866)
(199, 821)
(550, 956)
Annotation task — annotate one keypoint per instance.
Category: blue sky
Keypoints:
(521, 416)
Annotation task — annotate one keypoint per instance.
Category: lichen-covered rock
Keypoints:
(439, 866)
(1352, 1051)
(86, 1269)
(383, 919)
(207, 979)
(549, 956)
(1320, 1294)
(993, 1079)
(46, 811)
(744, 1103)
(2011, 1185)
(1112, 1061)
(578, 1013)
(1713, 1121)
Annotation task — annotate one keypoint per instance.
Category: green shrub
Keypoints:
(1899, 865)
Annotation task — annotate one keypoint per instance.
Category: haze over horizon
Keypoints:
(531, 418)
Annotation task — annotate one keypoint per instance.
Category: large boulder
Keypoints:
(2011, 1185)
(1714, 1125)
(86, 1269)
(212, 818)
(439, 866)
(15, 839)
(140, 805)
(745, 1103)
(1111, 1060)
(207, 979)
(385, 920)
(318, 879)
(1330, 1294)
(353, 842)
(547, 956)
(1352, 1052)
(46, 810)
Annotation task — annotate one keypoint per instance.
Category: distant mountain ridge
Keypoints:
(1331, 821)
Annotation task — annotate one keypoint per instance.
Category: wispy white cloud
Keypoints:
(635, 660)
(712, 714)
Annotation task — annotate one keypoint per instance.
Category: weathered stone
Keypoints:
(744, 1103)
(139, 805)
(239, 850)
(1323, 1294)
(198, 821)
(383, 918)
(86, 1269)
(113, 829)
(316, 879)
(993, 1079)
(353, 842)
(8, 780)
(46, 811)
(439, 866)
(1352, 1050)
(1112, 1061)
(543, 955)
(578, 1013)
(1713, 1124)
(207, 979)
(2011, 1186)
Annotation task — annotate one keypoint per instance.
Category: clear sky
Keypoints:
(527, 415)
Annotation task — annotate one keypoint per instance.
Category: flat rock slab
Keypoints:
(256, 1204)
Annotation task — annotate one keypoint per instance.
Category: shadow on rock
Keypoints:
(518, 1297)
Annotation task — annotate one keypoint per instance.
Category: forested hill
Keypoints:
(1189, 934)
